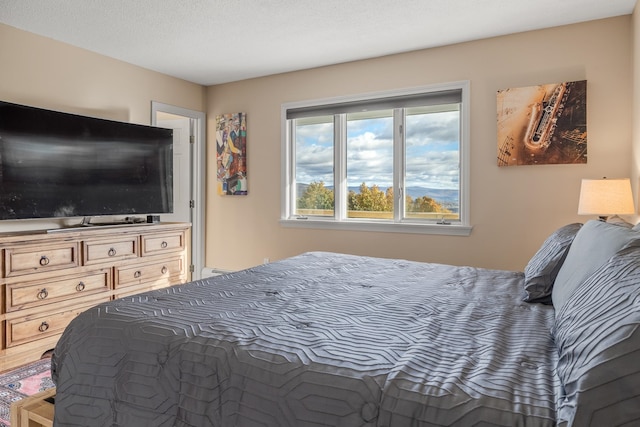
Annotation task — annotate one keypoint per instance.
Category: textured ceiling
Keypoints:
(218, 41)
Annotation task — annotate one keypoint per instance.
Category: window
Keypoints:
(393, 161)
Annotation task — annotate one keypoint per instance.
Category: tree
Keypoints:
(316, 196)
(370, 199)
(425, 204)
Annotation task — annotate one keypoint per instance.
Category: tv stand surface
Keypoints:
(84, 225)
(115, 223)
(47, 279)
(86, 221)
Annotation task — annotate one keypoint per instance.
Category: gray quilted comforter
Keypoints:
(319, 339)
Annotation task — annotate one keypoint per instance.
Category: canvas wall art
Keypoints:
(544, 124)
(231, 154)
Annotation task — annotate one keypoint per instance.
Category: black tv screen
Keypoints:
(55, 164)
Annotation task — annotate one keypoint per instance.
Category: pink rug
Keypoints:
(22, 382)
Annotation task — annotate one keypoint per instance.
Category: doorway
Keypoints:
(189, 165)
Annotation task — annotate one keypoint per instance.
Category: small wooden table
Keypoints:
(33, 411)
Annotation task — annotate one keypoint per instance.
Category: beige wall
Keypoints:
(45, 73)
(38, 71)
(512, 209)
(635, 163)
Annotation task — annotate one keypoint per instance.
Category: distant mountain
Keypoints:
(446, 198)
(438, 194)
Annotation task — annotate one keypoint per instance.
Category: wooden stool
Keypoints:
(33, 411)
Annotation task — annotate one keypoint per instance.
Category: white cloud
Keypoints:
(432, 152)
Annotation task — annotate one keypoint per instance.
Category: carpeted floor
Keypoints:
(22, 382)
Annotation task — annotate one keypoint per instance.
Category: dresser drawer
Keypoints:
(20, 331)
(35, 259)
(134, 290)
(162, 243)
(145, 287)
(114, 249)
(33, 294)
(148, 273)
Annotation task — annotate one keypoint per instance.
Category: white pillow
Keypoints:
(594, 244)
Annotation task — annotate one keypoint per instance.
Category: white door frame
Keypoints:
(198, 168)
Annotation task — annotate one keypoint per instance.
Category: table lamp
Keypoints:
(604, 197)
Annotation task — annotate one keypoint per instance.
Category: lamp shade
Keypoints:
(606, 197)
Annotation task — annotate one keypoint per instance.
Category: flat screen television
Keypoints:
(60, 165)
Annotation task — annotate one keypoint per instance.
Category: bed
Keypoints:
(327, 339)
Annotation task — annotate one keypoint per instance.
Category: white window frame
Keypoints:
(459, 228)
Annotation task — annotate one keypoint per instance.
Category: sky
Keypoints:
(432, 159)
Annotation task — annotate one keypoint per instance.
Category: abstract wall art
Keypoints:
(231, 154)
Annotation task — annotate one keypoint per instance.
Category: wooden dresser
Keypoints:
(47, 279)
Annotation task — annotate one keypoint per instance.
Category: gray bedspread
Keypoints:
(319, 339)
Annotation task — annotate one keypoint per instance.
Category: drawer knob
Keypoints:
(43, 326)
(137, 274)
(164, 269)
(43, 293)
(80, 287)
(112, 252)
(164, 244)
(44, 260)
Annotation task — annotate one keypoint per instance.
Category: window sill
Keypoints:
(412, 228)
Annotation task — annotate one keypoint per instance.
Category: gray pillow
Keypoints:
(593, 245)
(616, 220)
(542, 269)
(597, 333)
